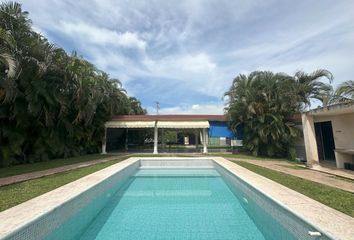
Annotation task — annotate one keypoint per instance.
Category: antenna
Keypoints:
(157, 107)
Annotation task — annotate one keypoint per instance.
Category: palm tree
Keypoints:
(8, 66)
(262, 104)
(51, 104)
(345, 91)
(310, 87)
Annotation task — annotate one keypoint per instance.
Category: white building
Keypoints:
(329, 135)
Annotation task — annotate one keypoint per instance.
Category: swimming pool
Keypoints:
(169, 199)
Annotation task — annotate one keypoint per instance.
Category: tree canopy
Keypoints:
(264, 103)
(51, 104)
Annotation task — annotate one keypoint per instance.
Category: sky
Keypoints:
(184, 54)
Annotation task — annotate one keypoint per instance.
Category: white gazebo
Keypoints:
(198, 122)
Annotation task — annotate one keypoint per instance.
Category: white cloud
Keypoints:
(199, 45)
(209, 108)
(101, 36)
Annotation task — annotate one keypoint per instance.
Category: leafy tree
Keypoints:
(51, 104)
(310, 87)
(263, 103)
(344, 92)
(135, 106)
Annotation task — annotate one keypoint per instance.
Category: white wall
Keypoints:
(343, 129)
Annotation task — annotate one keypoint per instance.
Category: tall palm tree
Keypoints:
(51, 104)
(262, 104)
(310, 86)
(345, 91)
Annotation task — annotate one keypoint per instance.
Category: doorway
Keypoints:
(325, 141)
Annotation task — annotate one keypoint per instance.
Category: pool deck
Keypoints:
(328, 220)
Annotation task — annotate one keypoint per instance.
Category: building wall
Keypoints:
(220, 134)
(300, 144)
(343, 129)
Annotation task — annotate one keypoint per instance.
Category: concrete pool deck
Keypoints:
(328, 220)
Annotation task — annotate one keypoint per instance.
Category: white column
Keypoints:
(155, 138)
(205, 139)
(310, 139)
(162, 139)
(104, 141)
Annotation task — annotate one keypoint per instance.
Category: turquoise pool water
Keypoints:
(174, 204)
(164, 203)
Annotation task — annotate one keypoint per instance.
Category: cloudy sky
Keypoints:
(184, 54)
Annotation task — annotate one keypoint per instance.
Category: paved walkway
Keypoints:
(333, 170)
(38, 174)
(305, 173)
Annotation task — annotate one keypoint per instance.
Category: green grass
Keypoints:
(295, 167)
(343, 179)
(340, 200)
(246, 156)
(39, 166)
(54, 163)
(17, 193)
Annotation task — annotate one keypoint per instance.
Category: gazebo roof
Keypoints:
(169, 118)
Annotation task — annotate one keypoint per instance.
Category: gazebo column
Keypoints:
(205, 139)
(155, 138)
(104, 140)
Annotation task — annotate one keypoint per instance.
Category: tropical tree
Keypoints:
(135, 106)
(310, 86)
(52, 104)
(263, 103)
(8, 66)
(344, 92)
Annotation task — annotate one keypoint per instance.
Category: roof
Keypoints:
(222, 118)
(334, 109)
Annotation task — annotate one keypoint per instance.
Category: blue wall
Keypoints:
(221, 129)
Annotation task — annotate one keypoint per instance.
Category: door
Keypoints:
(325, 141)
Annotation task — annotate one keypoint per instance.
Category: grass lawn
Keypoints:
(340, 200)
(245, 156)
(295, 167)
(39, 166)
(17, 193)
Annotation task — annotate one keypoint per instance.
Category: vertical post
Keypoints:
(104, 141)
(155, 138)
(310, 139)
(205, 139)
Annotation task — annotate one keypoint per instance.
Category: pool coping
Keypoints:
(333, 223)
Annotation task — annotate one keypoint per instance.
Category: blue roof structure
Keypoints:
(221, 129)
